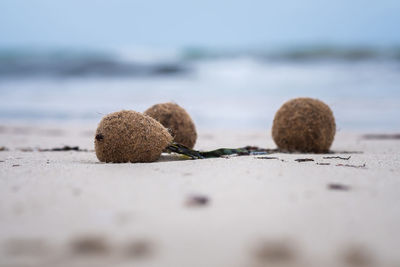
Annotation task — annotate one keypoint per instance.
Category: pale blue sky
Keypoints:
(177, 23)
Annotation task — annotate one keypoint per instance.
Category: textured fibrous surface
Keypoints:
(175, 118)
(304, 125)
(129, 136)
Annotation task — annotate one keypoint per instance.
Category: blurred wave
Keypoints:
(31, 63)
(22, 63)
(301, 53)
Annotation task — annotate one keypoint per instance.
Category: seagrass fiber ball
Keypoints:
(129, 136)
(177, 120)
(304, 125)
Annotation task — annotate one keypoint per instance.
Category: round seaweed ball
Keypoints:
(304, 125)
(129, 136)
(177, 120)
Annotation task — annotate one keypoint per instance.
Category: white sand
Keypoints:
(261, 212)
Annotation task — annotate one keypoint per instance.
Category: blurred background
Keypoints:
(231, 64)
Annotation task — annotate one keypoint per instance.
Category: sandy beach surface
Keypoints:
(65, 208)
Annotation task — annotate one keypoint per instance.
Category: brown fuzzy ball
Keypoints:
(177, 120)
(304, 125)
(129, 136)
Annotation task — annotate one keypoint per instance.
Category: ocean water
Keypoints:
(229, 90)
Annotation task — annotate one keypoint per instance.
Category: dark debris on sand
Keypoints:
(197, 201)
(344, 152)
(304, 160)
(363, 166)
(64, 148)
(90, 245)
(338, 157)
(267, 158)
(54, 149)
(336, 186)
(275, 253)
(358, 257)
